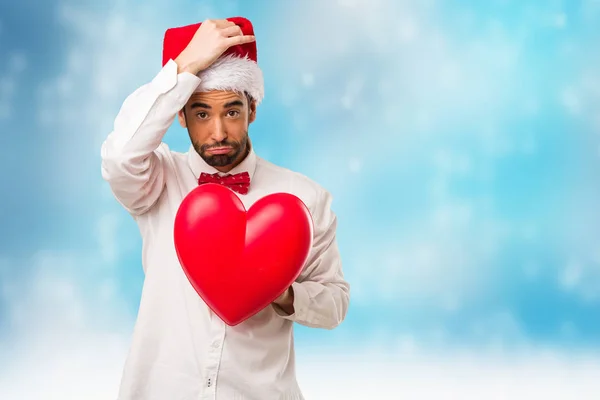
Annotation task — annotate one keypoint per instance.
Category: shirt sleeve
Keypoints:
(131, 161)
(321, 294)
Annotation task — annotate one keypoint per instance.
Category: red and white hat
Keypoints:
(237, 69)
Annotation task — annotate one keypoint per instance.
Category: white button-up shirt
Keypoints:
(181, 350)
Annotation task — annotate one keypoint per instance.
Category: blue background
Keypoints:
(460, 140)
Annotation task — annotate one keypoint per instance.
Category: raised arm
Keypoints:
(131, 161)
(132, 155)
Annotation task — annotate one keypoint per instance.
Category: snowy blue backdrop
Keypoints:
(461, 143)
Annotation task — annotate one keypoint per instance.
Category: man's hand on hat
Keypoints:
(210, 41)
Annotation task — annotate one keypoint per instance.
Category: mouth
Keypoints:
(220, 150)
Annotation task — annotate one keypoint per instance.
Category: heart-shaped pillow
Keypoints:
(239, 261)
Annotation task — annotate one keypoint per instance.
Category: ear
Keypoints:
(181, 117)
(252, 115)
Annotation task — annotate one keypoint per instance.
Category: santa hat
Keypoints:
(236, 70)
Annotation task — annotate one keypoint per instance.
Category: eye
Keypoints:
(233, 113)
(202, 115)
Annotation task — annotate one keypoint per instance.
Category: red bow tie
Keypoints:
(236, 182)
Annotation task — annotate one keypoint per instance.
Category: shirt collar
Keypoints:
(198, 165)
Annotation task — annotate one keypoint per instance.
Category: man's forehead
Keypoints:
(216, 96)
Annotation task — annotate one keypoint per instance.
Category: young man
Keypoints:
(181, 350)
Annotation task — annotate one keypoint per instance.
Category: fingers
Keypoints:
(240, 39)
(221, 23)
(232, 31)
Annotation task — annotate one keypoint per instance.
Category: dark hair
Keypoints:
(249, 97)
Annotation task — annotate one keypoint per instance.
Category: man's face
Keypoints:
(217, 123)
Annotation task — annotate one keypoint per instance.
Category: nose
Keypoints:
(218, 130)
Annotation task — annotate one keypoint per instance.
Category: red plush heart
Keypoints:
(238, 261)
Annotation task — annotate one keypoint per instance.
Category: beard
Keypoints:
(222, 160)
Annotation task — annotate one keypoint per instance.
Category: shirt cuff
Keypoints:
(180, 86)
(300, 303)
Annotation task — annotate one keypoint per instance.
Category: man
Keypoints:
(181, 350)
